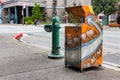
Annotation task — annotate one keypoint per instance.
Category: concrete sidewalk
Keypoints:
(55, 69)
(27, 62)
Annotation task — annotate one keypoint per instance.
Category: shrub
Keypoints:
(36, 12)
(28, 20)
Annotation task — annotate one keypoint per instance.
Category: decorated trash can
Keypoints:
(83, 38)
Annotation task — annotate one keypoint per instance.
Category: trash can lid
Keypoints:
(79, 11)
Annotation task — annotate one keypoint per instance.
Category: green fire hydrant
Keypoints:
(55, 53)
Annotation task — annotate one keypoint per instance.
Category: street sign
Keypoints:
(24, 5)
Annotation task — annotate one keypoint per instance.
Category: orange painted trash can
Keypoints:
(83, 39)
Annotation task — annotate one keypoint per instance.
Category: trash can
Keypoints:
(83, 42)
(105, 20)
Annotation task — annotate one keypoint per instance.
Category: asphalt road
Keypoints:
(112, 46)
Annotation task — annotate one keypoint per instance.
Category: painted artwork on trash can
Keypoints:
(83, 38)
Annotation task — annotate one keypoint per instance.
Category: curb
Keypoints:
(45, 49)
(105, 64)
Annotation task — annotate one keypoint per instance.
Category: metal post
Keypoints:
(27, 14)
(23, 15)
(16, 18)
(0, 13)
(65, 3)
(23, 7)
(9, 15)
(118, 14)
(54, 8)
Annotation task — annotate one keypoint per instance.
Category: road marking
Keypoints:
(105, 64)
(111, 44)
(112, 66)
(24, 35)
(113, 36)
(36, 45)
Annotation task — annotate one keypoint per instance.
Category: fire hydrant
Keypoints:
(55, 53)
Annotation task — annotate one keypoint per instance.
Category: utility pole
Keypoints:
(65, 3)
(23, 15)
(103, 3)
(54, 8)
(24, 6)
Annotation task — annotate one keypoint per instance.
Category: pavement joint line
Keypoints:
(105, 64)
(24, 35)
(38, 35)
(23, 72)
(36, 45)
(48, 36)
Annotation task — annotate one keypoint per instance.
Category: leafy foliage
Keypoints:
(106, 6)
(36, 13)
(28, 20)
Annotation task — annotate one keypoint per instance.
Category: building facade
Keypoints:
(61, 4)
(14, 10)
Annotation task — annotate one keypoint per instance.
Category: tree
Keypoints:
(106, 6)
(36, 13)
